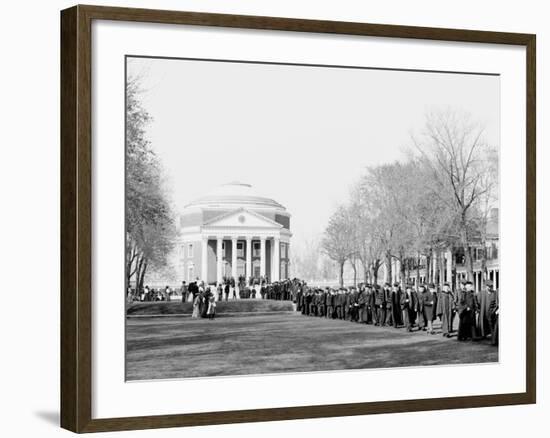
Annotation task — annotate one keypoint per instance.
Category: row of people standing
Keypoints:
(231, 289)
(411, 308)
(149, 294)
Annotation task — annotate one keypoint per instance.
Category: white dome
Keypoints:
(235, 194)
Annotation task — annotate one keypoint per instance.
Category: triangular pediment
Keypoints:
(242, 218)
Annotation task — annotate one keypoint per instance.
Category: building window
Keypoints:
(223, 249)
(240, 249)
(190, 250)
(190, 274)
(256, 252)
(284, 253)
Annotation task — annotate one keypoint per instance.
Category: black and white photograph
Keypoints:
(288, 218)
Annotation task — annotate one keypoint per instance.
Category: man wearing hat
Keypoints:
(388, 320)
(379, 307)
(409, 307)
(338, 303)
(370, 304)
(354, 306)
(362, 300)
(488, 302)
(445, 309)
(322, 306)
(329, 303)
(427, 306)
(467, 307)
(395, 298)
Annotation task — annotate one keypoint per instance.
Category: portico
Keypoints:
(232, 249)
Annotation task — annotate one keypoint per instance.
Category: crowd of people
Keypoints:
(150, 294)
(411, 308)
(204, 296)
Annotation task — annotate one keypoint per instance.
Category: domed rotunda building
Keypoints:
(232, 231)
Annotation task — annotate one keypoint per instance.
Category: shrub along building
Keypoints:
(233, 231)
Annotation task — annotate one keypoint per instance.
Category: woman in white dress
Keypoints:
(211, 312)
(196, 304)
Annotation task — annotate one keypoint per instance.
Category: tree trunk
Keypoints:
(354, 273)
(375, 268)
(484, 273)
(439, 269)
(142, 274)
(388, 267)
(342, 273)
(418, 270)
(467, 249)
(402, 262)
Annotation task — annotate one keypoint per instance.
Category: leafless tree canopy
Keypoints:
(439, 198)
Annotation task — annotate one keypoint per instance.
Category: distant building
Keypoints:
(454, 259)
(233, 231)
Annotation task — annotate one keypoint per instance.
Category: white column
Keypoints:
(248, 257)
(397, 271)
(219, 259)
(449, 259)
(262, 256)
(234, 258)
(204, 259)
(386, 271)
(276, 262)
(434, 265)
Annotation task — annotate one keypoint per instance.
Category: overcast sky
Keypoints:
(300, 135)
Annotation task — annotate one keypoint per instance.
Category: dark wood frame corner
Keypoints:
(76, 238)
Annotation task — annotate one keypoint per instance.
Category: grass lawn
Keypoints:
(151, 308)
(179, 347)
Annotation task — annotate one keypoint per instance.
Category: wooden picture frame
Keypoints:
(76, 217)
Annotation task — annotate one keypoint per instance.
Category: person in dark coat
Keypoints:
(370, 304)
(193, 289)
(355, 305)
(445, 309)
(303, 300)
(338, 303)
(233, 287)
(322, 303)
(427, 307)
(329, 306)
(184, 291)
(467, 307)
(263, 290)
(379, 306)
(396, 306)
(409, 307)
(309, 299)
(299, 300)
(494, 320)
(362, 300)
(388, 319)
(226, 289)
(487, 302)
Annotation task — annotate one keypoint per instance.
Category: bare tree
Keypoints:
(150, 228)
(454, 147)
(338, 243)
